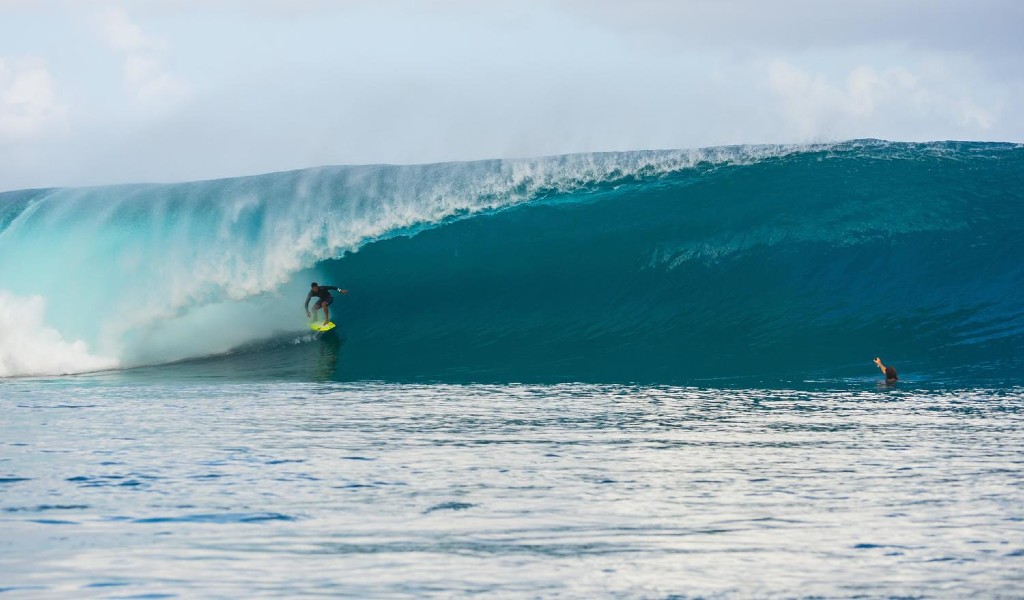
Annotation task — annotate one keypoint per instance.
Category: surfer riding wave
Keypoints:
(323, 292)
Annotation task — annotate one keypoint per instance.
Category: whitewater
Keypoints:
(635, 374)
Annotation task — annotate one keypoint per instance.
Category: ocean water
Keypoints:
(636, 375)
(134, 489)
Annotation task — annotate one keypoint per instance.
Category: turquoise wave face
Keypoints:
(757, 264)
(802, 266)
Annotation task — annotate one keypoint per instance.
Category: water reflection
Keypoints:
(327, 350)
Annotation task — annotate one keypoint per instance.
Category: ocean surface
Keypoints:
(629, 375)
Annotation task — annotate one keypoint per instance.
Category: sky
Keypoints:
(95, 92)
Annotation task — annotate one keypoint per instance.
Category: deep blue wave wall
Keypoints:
(805, 265)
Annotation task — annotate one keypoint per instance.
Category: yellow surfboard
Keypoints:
(317, 326)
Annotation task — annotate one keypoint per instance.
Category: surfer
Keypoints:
(323, 292)
(889, 372)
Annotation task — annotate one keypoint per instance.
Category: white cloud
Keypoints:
(28, 98)
(145, 74)
(123, 35)
(972, 115)
(867, 99)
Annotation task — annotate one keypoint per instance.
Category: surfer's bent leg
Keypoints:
(327, 311)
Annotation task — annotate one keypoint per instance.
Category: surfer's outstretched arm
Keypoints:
(889, 372)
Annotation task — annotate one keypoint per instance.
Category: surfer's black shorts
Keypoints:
(324, 302)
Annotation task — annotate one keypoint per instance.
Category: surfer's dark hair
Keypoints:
(314, 284)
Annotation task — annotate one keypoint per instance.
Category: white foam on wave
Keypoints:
(29, 347)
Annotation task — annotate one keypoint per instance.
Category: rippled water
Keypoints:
(112, 489)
